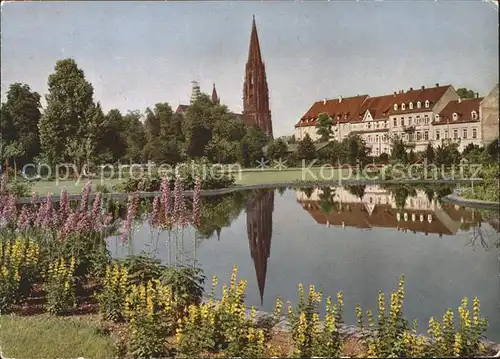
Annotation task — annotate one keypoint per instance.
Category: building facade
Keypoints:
(256, 110)
(488, 112)
(418, 116)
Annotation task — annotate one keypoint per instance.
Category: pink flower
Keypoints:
(165, 193)
(69, 225)
(23, 221)
(197, 202)
(8, 211)
(132, 207)
(85, 197)
(179, 206)
(96, 212)
(64, 208)
(48, 218)
(156, 212)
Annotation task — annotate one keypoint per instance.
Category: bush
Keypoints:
(59, 286)
(114, 289)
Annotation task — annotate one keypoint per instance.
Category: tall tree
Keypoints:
(69, 115)
(251, 146)
(398, 150)
(306, 149)
(324, 127)
(465, 93)
(355, 148)
(20, 116)
(135, 136)
(112, 145)
(277, 149)
(197, 126)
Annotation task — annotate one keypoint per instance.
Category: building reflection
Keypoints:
(374, 206)
(259, 228)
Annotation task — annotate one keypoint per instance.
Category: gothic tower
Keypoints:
(255, 91)
(215, 97)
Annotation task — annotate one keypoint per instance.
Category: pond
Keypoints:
(356, 239)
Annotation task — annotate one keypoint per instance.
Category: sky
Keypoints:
(137, 54)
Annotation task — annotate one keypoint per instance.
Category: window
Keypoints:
(403, 106)
(419, 104)
(402, 121)
(474, 133)
(395, 107)
(445, 133)
(376, 138)
(411, 105)
(426, 135)
(455, 134)
(369, 138)
(395, 122)
(455, 116)
(437, 135)
(377, 151)
(426, 103)
(385, 124)
(418, 120)
(464, 133)
(473, 115)
(426, 119)
(409, 121)
(419, 136)
(410, 137)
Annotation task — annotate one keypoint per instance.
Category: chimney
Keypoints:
(324, 101)
(437, 84)
(423, 87)
(411, 88)
(340, 99)
(394, 93)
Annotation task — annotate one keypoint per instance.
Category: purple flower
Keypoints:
(8, 210)
(132, 207)
(96, 212)
(84, 224)
(85, 197)
(23, 221)
(64, 208)
(179, 207)
(197, 202)
(69, 225)
(48, 218)
(156, 212)
(165, 193)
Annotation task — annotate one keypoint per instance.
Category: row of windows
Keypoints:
(465, 134)
(377, 138)
(411, 122)
(473, 115)
(410, 105)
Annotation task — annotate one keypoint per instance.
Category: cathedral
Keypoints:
(256, 110)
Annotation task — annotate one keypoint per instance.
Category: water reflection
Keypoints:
(400, 207)
(260, 229)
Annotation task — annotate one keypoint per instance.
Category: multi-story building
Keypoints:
(488, 113)
(419, 116)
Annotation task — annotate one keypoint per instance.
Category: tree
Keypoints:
(305, 149)
(112, 144)
(412, 157)
(135, 136)
(429, 153)
(69, 115)
(251, 146)
(447, 154)
(277, 149)
(197, 126)
(465, 93)
(398, 150)
(355, 149)
(20, 116)
(324, 127)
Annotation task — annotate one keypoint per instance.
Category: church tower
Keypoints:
(256, 110)
(215, 97)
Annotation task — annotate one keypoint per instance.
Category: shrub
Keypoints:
(59, 286)
(114, 290)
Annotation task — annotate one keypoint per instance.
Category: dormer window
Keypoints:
(437, 117)
(338, 117)
(419, 104)
(473, 115)
(455, 116)
(411, 105)
(345, 116)
(402, 106)
(395, 107)
(426, 103)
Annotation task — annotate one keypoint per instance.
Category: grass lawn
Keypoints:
(244, 178)
(45, 336)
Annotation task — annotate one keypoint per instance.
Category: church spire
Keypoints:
(215, 97)
(256, 110)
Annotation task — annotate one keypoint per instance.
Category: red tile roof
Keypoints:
(346, 108)
(181, 108)
(380, 107)
(463, 108)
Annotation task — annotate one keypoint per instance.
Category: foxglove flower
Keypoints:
(165, 193)
(8, 211)
(85, 197)
(154, 219)
(64, 208)
(96, 212)
(69, 225)
(197, 202)
(48, 218)
(132, 207)
(23, 221)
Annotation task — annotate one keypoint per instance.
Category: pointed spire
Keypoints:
(215, 97)
(254, 51)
